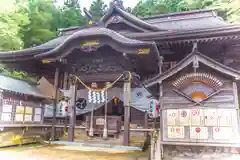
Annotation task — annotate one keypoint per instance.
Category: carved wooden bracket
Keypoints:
(72, 79)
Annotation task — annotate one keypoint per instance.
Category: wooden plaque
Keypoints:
(20, 109)
(196, 114)
(172, 116)
(222, 133)
(37, 118)
(38, 111)
(6, 117)
(19, 117)
(176, 132)
(7, 108)
(184, 117)
(225, 117)
(28, 118)
(210, 117)
(100, 121)
(198, 133)
(28, 110)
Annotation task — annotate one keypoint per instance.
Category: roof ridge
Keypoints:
(130, 17)
(180, 13)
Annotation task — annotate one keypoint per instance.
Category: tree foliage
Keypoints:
(229, 9)
(97, 9)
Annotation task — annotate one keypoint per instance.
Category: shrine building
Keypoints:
(113, 69)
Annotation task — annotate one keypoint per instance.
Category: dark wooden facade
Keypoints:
(162, 45)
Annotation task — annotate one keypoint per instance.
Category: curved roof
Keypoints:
(96, 32)
(130, 18)
(188, 20)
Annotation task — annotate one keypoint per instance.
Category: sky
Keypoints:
(127, 3)
(7, 4)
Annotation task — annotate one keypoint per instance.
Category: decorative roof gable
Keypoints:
(116, 15)
(194, 57)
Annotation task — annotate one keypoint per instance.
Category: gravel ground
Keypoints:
(51, 153)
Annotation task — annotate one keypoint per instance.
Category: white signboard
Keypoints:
(6, 116)
(7, 108)
(196, 115)
(198, 133)
(19, 117)
(37, 118)
(210, 117)
(38, 110)
(172, 116)
(225, 117)
(20, 109)
(100, 121)
(28, 110)
(28, 118)
(184, 117)
(175, 132)
(222, 133)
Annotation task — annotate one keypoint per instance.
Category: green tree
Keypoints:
(229, 8)
(39, 29)
(10, 29)
(71, 15)
(97, 9)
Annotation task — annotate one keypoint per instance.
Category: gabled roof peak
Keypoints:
(129, 17)
(194, 56)
(184, 13)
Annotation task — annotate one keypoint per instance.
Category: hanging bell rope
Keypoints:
(104, 88)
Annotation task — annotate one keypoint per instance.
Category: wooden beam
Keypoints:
(56, 80)
(126, 102)
(71, 129)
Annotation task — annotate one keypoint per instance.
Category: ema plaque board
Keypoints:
(210, 117)
(20, 109)
(176, 132)
(7, 108)
(222, 133)
(6, 117)
(196, 115)
(19, 117)
(28, 118)
(172, 116)
(198, 133)
(226, 117)
(184, 117)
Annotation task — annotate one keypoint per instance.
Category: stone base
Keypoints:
(172, 152)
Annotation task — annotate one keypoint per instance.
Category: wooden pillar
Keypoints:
(146, 122)
(91, 129)
(72, 109)
(65, 87)
(105, 130)
(236, 102)
(56, 80)
(160, 147)
(126, 102)
(1, 102)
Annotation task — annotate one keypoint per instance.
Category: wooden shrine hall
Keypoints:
(126, 52)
